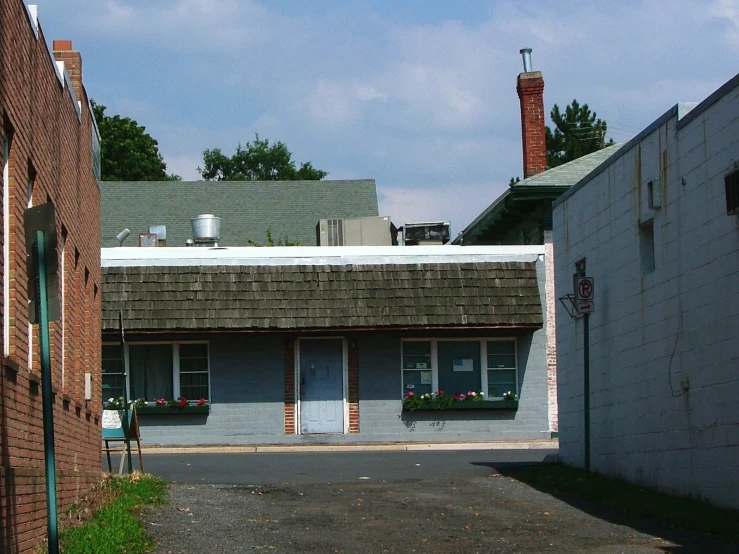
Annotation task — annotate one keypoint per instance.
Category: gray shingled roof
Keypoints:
(484, 294)
(246, 208)
(570, 173)
(556, 180)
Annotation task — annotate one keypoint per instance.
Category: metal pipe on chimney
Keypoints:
(526, 53)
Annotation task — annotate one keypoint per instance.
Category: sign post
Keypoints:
(584, 294)
(41, 250)
(581, 304)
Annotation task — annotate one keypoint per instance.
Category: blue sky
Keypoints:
(419, 94)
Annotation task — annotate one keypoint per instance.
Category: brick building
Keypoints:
(657, 228)
(49, 150)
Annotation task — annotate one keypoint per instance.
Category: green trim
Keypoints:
(469, 405)
(173, 410)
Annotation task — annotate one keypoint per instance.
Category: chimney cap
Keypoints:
(62, 45)
(526, 54)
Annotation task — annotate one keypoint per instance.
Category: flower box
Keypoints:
(468, 405)
(173, 410)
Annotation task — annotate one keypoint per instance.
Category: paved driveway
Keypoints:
(374, 502)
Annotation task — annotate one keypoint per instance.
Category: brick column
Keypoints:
(289, 386)
(353, 392)
(551, 304)
(530, 89)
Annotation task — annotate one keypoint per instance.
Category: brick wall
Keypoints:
(658, 324)
(51, 139)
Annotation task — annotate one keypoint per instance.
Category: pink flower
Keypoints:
(411, 393)
(462, 396)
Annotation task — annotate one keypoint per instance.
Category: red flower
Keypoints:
(201, 402)
(183, 402)
(411, 393)
(441, 393)
(455, 397)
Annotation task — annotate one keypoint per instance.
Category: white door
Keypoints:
(321, 386)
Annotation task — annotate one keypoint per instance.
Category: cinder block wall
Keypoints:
(653, 329)
(51, 139)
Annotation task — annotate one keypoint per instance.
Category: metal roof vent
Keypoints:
(206, 229)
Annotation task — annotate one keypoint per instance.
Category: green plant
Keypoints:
(439, 400)
(509, 396)
(116, 527)
(114, 403)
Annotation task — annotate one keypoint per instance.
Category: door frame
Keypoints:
(344, 380)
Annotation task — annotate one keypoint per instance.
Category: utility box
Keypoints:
(358, 231)
(433, 232)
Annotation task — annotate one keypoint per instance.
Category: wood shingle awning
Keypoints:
(291, 297)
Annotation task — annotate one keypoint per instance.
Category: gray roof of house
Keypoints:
(562, 176)
(570, 173)
(246, 208)
(295, 297)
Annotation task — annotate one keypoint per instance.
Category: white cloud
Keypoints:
(420, 106)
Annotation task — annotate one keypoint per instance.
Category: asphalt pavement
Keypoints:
(260, 468)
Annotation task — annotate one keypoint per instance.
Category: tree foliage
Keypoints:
(577, 132)
(284, 241)
(257, 161)
(128, 152)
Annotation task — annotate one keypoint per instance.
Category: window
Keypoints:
(157, 370)
(113, 371)
(731, 182)
(454, 365)
(646, 246)
(501, 368)
(417, 372)
(194, 371)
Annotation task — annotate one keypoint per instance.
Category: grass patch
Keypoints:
(632, 500)
(115, 527)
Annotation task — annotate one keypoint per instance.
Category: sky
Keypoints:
(419, 95)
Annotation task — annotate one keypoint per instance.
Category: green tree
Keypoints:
(257, 161)
(128, 152)
(577, 132)
(284, 241)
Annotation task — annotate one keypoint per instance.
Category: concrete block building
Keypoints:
(50, 152)
(656, 226)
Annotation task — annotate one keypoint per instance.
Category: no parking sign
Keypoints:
(584, 294)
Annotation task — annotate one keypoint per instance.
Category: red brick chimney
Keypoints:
(72, 63)
(530, 87)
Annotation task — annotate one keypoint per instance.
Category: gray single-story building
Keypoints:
(308, 344)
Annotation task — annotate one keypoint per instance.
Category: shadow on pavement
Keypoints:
(686, 542)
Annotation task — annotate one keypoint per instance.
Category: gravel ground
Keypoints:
(476, 515)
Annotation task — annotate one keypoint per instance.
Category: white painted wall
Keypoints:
(651, 330)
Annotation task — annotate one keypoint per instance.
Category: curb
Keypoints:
(401, 447)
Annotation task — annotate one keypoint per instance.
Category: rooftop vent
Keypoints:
(206, 230)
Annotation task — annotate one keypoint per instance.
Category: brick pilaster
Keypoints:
(353, 392)
(290, 386)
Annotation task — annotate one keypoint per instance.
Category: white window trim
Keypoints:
(31, 182)
(6, 243)
(175, 364)
(483, 360)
